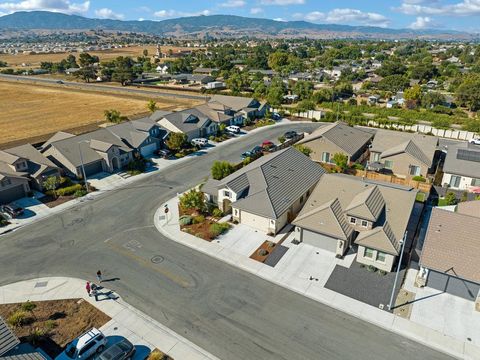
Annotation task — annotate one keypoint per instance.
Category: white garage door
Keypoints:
(148, 150)
(254, 221)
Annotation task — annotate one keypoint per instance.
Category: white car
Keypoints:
(233, 129)
(86, 345)
(199, 142)
(475, 141)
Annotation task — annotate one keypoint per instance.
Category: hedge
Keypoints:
(69, 190)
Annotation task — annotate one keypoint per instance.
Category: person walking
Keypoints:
(99, 276)
(88, 287)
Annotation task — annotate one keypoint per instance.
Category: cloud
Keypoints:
(315, 16)
(174, 13)
(63, 6)
(345, 16)
(233, 3)
(106, 13)
(463, 8)
(256, 10)
(282, 2)
(280, 19)
(421, 23)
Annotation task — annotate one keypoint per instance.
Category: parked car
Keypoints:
(246, 154)
(233, 129)
(122, 350)
(276, 116)
(475, 141)
(268, 144)
(256, 150)
(164, 153)
(84, 346)
(199, 142)
(290, 134)
(12, 210)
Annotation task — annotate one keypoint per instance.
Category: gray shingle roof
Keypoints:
(380, 238)
(454, 165)
(37, 163)
(271, 184)
(410, 148)
(348, 138)
(367, 204)
(8, 340)
(236, 103)
(188, 120)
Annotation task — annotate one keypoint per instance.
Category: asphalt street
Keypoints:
(228, 312)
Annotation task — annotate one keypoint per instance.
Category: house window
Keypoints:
(414, 170)
(381, 257)
(226, 193)
(364, 223)
(353, 220)
(388, 164)
(376, 157)
(368, 253)
(475, 182)
(455, 181)
(326, 157)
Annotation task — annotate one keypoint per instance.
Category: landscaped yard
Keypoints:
(51, 325)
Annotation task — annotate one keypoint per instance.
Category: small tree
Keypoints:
(152, 105)
(222, 169)
(221, 128)
(303, 149)
(193, 200)
(176, 141)
(451, 198)
(114, 116)
(51, 184)
(341, 160)
(29, 307)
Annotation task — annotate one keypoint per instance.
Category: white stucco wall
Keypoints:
(386, 266)
(465, 182)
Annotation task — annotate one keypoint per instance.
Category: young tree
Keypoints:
(114, 116)
(176, 141)
(468, 94)
(192, 200)
(303, 149)
(152, 105)
(341, 160)
(451, 198)
(222, 169)
(51, 184)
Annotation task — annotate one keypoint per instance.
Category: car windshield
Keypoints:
(70, 351)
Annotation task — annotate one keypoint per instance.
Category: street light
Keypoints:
(402, 243)
(81, 162)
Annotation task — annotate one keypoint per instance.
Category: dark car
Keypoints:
(290, 134)
(122, 350)
(12, 210)
(276, 116)
(164, 153)
(256, 150)
(246, 154)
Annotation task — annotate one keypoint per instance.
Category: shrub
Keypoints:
(281, 139)
(193, 200)
(18, 318)
(198, 219)
(382, 272)
(451, 198)
(371, 268)
(217, 229)
(3, 221)
(358, 166)
(179, 155)
(185, 220)
(217, 213)
(419, 178)
(69, 190)
(80, 193)
(50, 325)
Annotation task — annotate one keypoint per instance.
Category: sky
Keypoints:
(461, 15)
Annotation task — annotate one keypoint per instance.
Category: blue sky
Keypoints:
(415, 14)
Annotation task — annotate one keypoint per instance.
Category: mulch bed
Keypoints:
(59, 322)
(51, 201)
(201, 230)
(263, 251)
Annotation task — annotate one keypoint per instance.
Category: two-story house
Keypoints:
(191, 122)
(461, 170)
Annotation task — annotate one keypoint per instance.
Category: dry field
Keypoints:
(30, 113)
(33, 61)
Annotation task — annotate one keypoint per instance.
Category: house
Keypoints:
(461, 170)
(205, 71)
(13, 183)
(94, 152)
(162, 69)
(216, 85)
(192, 122)
(193, 79)
(338, 137)
(404, 154)
(268, 193)
(345, 210)
(38, 168)
(451, 252)
(244, 106)
(334, 73)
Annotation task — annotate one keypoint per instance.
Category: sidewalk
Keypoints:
(126, 321)
(294, 272)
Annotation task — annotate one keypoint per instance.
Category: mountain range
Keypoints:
(219, 26)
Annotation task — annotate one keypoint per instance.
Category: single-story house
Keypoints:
(94, 152)
(205, 71)
(404, 154)
(451, 252)
(268, 193)
(192, 122)
(338, 137)
(345, 210)
(461, 170)
(248, 107)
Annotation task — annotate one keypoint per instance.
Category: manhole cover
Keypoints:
(157, 259)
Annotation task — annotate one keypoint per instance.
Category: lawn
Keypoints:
(31, 113)
(53, 324)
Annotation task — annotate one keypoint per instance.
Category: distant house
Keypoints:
(162, 69)
(205, 71)
(243, 106)
(199, 79)
(451, 252)
(461, 170)
(268, 193)
(345, 210)
(334, 73)
(404, 154)
(72, 71)
(338, 137)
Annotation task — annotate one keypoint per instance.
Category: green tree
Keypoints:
(304, 89)
(278, 60)
(341, 160)
(468, 93)
(85, 59)
(305, 105)
(51, 184)
(305, 150)
(323, 95)
(176, 141)
(222, 169)
(114, 116)
(451, 198)
(192, 200)
(152, 105)
(123, 71)
(86, 73)
(432, 99)
(393, 83)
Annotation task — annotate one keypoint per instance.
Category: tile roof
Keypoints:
(8, 340)
(8, 158)
(236, 103)
(410, 148)
(459, 165)
(380, 238)
(348, 138)
(452, 245)
(471, 208)
(37, 162)
(367, 204)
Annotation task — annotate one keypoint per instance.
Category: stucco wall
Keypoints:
(465, 182)
(387, 266)
(321, 145)
(401, 165)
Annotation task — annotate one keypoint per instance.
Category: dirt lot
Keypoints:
(30, 113)
(55, 323)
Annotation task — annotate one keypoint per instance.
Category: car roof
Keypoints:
(116, 349)
(85, 338)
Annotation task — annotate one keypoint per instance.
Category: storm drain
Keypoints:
(157, 259)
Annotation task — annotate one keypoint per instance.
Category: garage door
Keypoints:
(12, 194)
(320, 241)
(254, 221)
(453, 285)
(148, 150)
(93, 168)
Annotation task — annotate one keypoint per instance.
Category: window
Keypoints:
(381, 257)
(414, 170)
(364, 223)
(388, 164)
(475, 182)
(226, 193)
(368, 253)
(326, 157)
(455, 181)
(376, 157)
(353, 220)
(86, 348)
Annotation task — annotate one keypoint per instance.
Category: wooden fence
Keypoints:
(421, 186)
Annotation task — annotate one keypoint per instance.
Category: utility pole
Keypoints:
(402, 243)
(83, 167)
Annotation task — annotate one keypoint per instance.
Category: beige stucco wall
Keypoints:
(402, 162)
(321, 145)
(387, 266)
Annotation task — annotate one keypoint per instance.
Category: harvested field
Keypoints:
(31, 113)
